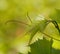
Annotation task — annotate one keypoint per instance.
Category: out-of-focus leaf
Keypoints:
(41, 47)
(29, 52)
(56, 44)
(56, 15)
(55, 51)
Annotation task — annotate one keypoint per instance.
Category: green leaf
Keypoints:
(55, 51)
(52, 31)
(41, 47)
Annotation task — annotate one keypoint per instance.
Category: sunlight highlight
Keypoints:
(40, 17)
(23, 48)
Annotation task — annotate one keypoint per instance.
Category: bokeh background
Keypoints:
(12, 38)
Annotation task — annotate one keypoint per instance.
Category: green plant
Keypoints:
(41, 46)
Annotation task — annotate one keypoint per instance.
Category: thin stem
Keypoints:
(29, 17)
(50, 36)
(17, 22)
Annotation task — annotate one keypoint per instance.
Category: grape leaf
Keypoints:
(52, 31)
(41, 47)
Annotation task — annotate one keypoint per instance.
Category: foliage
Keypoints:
(13, 33)
(41, 47)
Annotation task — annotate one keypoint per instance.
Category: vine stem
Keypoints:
(17, 22)
(50, 36)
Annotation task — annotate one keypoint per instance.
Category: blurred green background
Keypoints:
(12, 38)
